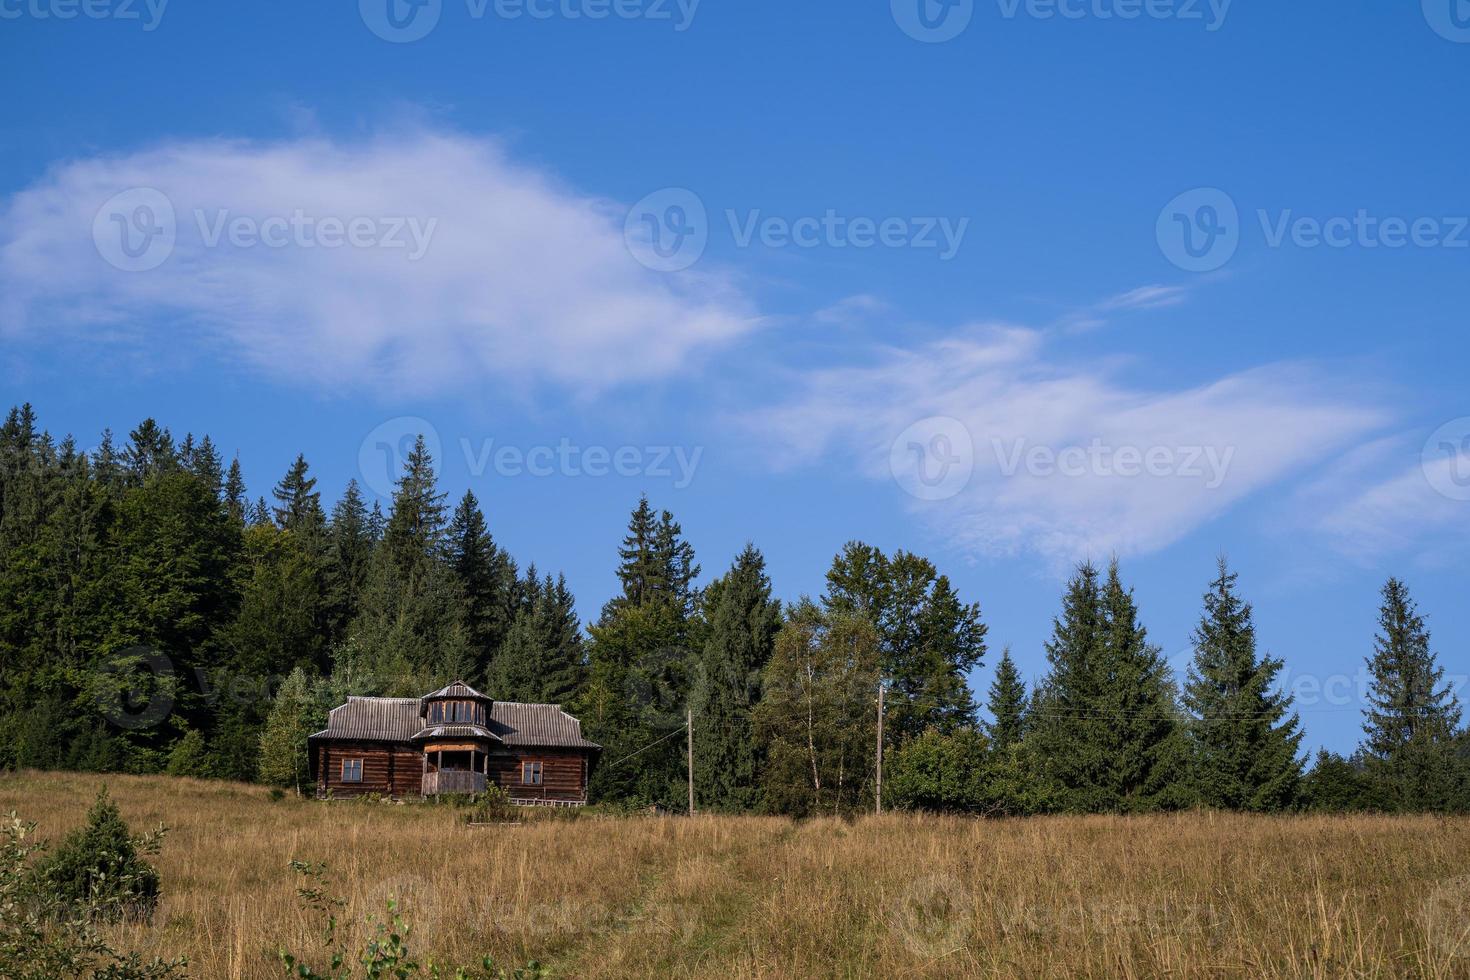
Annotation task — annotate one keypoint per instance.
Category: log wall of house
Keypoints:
(388, 768)
(563, 774)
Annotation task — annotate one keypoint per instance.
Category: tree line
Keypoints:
(155, 618)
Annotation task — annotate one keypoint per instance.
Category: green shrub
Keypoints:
(100, 868)
(42, 938)
(189, 757)
(493, 806)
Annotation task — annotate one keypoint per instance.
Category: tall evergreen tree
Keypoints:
(1007, 705)
(640, 660)
(542, 660)
(487, 577)
(298, 504)
(349, 549)
(1146, 750)
(1244, 742)
(236, 501)
(1413, 716)
(743, 623)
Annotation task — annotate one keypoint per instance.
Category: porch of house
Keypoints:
(454, 769)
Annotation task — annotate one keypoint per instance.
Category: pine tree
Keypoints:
(640, 661)
(1145, 747)
(743, 624)
(234, 492)
(415, 528)
(1007, 705)
(409, 633)
(1245, 744)
(150, 452)
(1413, 717)
(349, 549)
(487, 577)
(283, 759)
(542, 660)
(299, 505)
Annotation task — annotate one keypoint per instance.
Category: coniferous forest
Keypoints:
(156, 615)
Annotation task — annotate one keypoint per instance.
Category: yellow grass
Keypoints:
(1190, 895)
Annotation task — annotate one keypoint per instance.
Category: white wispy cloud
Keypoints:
(1391, 499)
(521, 280)
(1035, 426)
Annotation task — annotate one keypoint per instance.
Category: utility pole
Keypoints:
(880, 746)
(689, 727)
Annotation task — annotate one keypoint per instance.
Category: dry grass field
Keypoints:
(898, 896)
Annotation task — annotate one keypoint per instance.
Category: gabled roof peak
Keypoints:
(457, 689)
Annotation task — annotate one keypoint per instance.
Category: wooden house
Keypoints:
(455, 740)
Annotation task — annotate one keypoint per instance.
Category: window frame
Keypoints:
(532, 767)
(355, 764)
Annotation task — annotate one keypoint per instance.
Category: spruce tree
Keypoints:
(1244, 741)
(299, 505)
(487, 577)
(640, 661)
(234, 492)
(1007, 705)
(542, 660)
(1067, 735)
(1412, 721)
(743, 624)
(349, 549)
(415, 529)
(1145, 747)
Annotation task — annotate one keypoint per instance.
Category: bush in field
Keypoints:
(386, 954)
(99, 868)
(938, 772)
(189, 756)
(493, 806)
(42, 937)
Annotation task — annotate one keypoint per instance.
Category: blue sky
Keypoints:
(988, 305)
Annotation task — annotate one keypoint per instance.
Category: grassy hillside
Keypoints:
(1189, 895)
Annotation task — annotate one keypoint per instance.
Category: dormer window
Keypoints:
(456, 712)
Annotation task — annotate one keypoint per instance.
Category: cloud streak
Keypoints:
(522, 281)
(1067, 462)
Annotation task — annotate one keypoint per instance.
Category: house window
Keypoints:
(351, 770)
(530, 774)
(436, 712)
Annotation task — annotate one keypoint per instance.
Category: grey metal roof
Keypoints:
(459, 689)
(399, 720)
(457, 731)
(537, 724)
(374, 720)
